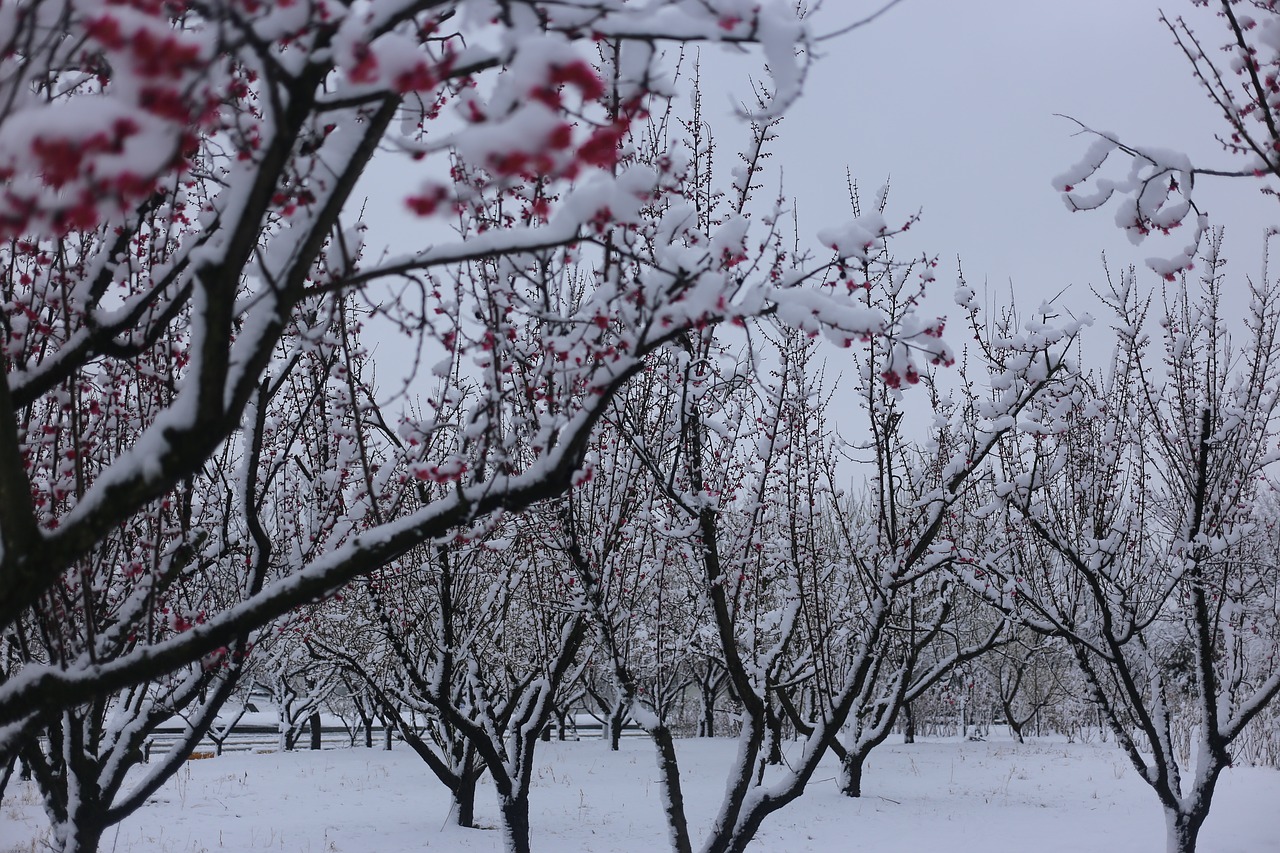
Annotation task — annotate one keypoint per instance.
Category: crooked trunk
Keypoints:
(81, 839)
(851, 772)
(82, 830)
(673, 794)
(7, 775)
(366, 723)
(314, 724)
(1185, 819)
(615, 726)
(707, 725)
(515, 822)
(464, 798)
(774, 722)
(1184, 829)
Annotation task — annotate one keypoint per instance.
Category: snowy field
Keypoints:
(936, 796)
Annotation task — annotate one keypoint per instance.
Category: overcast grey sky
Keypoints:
(956, 101)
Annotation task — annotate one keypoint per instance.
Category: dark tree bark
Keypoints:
(710, 684)
(614, 722)
(773, 725)
(85, 829)
(1184, 827)
(562, 717)
(313, 723)
(6, 775)
(82, 790)
(366, 715)
(707, 725)
(464, 797)
(851, 772)
(515, 822)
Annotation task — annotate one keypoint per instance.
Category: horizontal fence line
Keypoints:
(260, 737)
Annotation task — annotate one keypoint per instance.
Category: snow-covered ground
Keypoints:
(953, 796)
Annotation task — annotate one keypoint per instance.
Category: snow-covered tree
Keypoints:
(1027, 677)
(898, 537)
(474, 640)
(1135, 518)
(803, 623)
(204, 548)
(1154, 193)
(181, 176)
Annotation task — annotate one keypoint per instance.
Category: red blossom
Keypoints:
(105, 30)
(580, 75)
(60, 159)
(510, 162)
(428, 201)
(162, 57)
(601, 148)
(366, 68)
(80, 216)
(548, 96)
(164, 102)
(560, 138)
(419, 78)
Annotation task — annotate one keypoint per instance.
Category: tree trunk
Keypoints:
(774, 723)
(707, 725)
(386, 737)
(515, 822)
(82, 839)
(1184, 829)
(7, 775)
(81, 833)
(908, 724)
(673, 794)
(851, 773)
(464, 798)
(614, 723)
(1015, 726)
(366, 722)
(314, 724)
